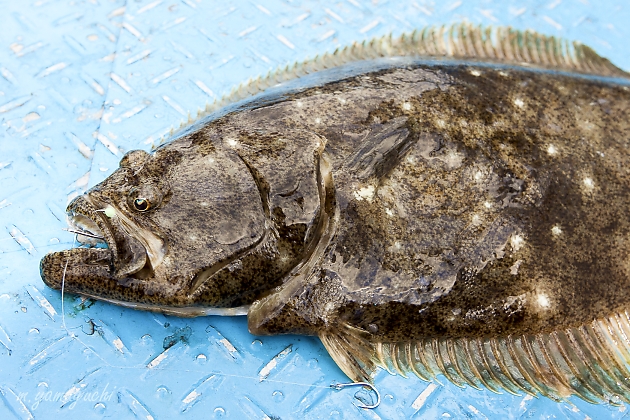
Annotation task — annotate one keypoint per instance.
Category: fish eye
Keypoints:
(144, 198)
(141, 204)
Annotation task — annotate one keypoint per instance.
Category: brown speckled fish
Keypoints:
(458, 207)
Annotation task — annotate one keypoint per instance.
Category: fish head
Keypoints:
(158, 221)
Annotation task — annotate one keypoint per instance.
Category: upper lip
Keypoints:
(82, 211)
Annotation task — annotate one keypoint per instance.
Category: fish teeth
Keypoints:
(86, 230)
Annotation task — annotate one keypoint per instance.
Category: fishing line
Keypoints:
(336, 386)
(84, 233)
(63, 311)
(39, 232)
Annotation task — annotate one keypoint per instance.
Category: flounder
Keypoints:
(438, 203)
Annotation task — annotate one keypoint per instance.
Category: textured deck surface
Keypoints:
(83, 81)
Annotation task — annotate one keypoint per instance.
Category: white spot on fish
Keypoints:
(543, 301)
(504, 74)
(476, 220)
(406, 106)
(389, 212)
(475, 73)
(318, 120)
(454, 160)
(210, 160)
(487, 205)
(231, 142)
(551, 150)
(517, 242)
(204, 204)
(478, 175)
(342, 100)
(588, 183)
(556, 230)
(441, 123)
(366, 193)
(519, 102)
(299, 104)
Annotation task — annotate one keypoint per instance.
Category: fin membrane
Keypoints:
(459, 41)
(591, 361)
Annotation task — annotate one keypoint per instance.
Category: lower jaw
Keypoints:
(74, 266)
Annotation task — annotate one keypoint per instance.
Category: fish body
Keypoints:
(428, 216)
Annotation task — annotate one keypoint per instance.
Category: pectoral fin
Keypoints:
(350, 349)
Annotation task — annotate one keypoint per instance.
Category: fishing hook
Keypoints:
(338, 387)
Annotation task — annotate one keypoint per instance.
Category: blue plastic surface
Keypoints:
(81, 82)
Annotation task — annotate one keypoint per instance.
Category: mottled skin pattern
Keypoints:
(465, 200)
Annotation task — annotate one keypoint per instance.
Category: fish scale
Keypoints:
(442, 209)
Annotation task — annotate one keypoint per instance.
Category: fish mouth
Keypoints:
(86, 230)
(112, 252)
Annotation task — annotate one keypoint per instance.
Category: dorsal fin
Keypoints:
(458, 41)
(591, 361)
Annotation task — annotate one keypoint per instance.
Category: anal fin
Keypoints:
(591, 361)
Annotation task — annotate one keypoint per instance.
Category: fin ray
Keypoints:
(444, 364)
(529, 377)
(606, 379)
(418, 363)
(473, 367)
(590, 361)
(503, 365)
(460, 363)
(457, 41)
